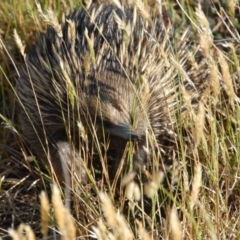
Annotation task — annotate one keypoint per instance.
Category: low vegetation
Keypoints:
(201, 202)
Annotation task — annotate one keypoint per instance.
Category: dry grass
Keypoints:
(205, 205)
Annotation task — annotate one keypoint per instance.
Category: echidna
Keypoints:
(113, 71)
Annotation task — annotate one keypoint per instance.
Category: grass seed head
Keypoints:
(175, 225)
(196, 184)
(45, 208)
(19, 43)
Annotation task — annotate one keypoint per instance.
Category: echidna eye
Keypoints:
(131, 120)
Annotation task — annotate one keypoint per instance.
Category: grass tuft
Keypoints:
(200, 201)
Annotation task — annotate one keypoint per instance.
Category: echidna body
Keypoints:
(110, 70)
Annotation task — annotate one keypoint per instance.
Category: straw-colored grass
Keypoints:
(203, 199)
